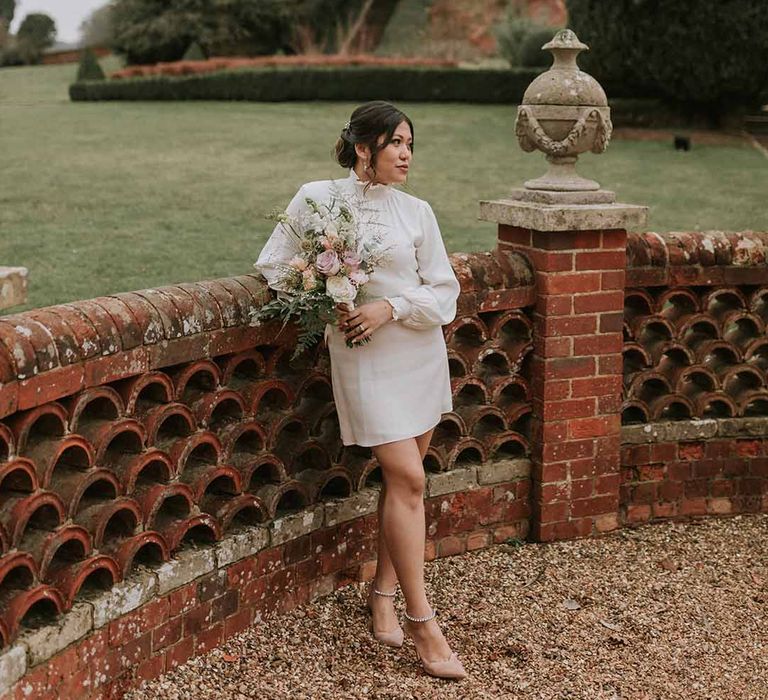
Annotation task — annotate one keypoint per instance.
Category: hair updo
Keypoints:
(366, 125)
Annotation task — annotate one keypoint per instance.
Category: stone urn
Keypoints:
(564, 113)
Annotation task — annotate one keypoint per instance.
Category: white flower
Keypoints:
(331, 231)
(358, 276)
(340, 289)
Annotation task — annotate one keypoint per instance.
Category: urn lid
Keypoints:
(565, 83)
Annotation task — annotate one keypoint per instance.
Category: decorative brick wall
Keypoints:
(167, 475)
(138, 425)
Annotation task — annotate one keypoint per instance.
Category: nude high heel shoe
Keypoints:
(393, 638)
(441, 668)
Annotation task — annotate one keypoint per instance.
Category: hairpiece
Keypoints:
(347, 125)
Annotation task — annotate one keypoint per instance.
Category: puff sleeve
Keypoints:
(280, 247)
(433, 303)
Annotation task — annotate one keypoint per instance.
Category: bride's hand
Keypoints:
(371, 315)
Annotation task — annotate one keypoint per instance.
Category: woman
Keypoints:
(390, 391)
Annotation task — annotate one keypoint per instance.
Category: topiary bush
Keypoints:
(704, 56)
(89, 68)
(194, 53)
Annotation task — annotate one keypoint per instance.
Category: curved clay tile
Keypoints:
(359, 463)
(241, 370)
(754, 403)
(79, 490)
(465, 332)
(720, 301)
(266, 469)
(144, 391)
(494, 362)
(742, 328)
(311, 454)
(271, 397)
(638, 303)
(147, 545)
(44, 422)
(467, 451)
(315, 386)
(41, 510)
(741, 380)
(167, 423)
(99, 403)
(718, 355)
(151, 466)
(71, 578)
(245, 508)
(511, 328)
(219, 478)
(479, 420)
(506, 445)
(696, 380)
(758, 303)
(198, 527)
(194, 380)
(200, 448)
(161, 504)
(757, 354)
(677, 304)
(672, 407)
(115, 443)
(18, 475)
(648, 385)
(288, 495)
(450, 429)
(7, 442)
(457, 365)
(218, 410)
(633, 412)
(67, 543)
(715, 404)
(66, 455)
(322, 483)
(242, 442)
(15, 609)
(107, 521)
(469, 390)
(284, 436)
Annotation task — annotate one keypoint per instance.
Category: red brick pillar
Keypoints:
(576, 368)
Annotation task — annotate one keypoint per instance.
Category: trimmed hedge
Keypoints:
(352, 83)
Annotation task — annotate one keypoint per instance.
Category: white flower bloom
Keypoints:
(340, 289)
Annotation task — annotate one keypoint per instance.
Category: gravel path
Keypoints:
(660, 612)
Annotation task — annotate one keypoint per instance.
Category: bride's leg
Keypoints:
(385, 578)
(404, 527)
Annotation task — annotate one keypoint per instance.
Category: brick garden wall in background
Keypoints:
(167, 475)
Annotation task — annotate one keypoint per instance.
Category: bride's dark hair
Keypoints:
(366, 125)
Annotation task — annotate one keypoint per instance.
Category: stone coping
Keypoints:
(681, 431)
(563, 217)
(35, 646)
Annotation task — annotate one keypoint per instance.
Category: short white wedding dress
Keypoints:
(397, 385)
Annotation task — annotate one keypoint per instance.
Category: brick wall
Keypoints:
(599, 379)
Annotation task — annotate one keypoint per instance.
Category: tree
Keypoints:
(7, 10)
(36, 33)
(98, 28)
(89, 68)
(707, 56)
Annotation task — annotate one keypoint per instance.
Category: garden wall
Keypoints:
(167, 476)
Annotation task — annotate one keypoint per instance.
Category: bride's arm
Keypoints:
(281, 246)
(433, 303)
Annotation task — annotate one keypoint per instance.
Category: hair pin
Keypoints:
(347, 125)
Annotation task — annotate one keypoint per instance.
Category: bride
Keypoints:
(391, 390)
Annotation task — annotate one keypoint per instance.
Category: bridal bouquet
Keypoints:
(331, 266)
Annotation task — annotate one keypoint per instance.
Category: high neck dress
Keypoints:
(397, 385)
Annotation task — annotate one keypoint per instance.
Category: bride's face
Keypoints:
(393, 161)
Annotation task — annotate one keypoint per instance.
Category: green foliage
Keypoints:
(38, 29)
(531, 53)
(520, 38)
(352, 83)
(7, 10)
(89, 68)
(98, 28)
(148, 31)
(194, 53)
(709, 56)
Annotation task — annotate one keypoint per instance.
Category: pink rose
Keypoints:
(358, 277)
(327, 263)
(352, 259)
(325, 242)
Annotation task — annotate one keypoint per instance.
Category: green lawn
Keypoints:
(105, 197)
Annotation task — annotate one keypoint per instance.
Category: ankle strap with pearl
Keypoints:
(420, 619)
(388, 595)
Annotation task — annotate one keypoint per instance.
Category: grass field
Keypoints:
(105, 197)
